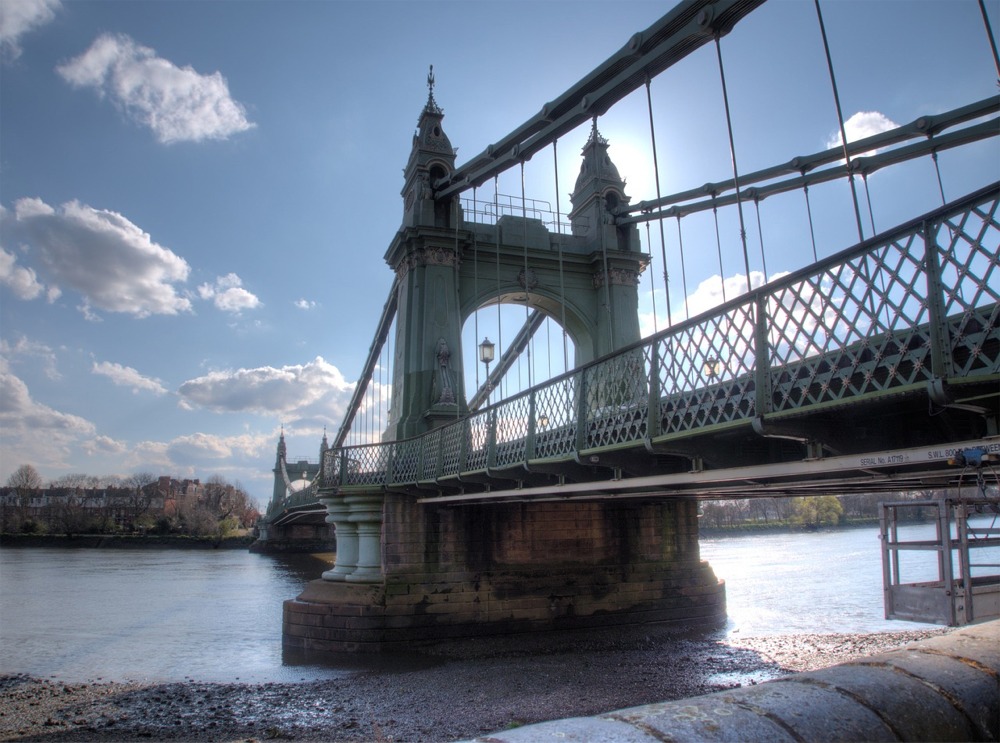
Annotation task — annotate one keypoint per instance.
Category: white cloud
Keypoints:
(30, 349)
(54, 442)
(104, 445)
(306, 304)
(126, 376)
(313, 389)
(18, 17)
(22, 281)
(33, 432)
(112, 263)
(710, 292)
(209, 449)
(862, 124)
(177, 103)
(229, 295)
(202, 454)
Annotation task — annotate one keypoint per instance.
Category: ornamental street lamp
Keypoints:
(486, 355)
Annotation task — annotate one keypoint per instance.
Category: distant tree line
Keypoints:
(806, 511)
(138, 503)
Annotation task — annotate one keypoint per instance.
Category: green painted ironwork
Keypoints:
(917, 307)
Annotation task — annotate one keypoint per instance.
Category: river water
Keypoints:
(215, 615)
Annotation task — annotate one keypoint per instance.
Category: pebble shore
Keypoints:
(452, 692)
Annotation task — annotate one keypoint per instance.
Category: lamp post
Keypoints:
(486, 355)
(712, 367)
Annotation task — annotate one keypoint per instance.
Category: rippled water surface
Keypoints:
(212, 615)
(819, 582)
(215, 615)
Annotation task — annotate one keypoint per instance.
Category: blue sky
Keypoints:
(197, 196)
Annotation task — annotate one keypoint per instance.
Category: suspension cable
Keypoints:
(718, 247)
(652, 286)
(475, 281)
(663, 242)
(389, 375)
(840, 120)
(951, 230)
(684, 281)
(602, 207)
(937, 169)
(371, 412)
(496, 216)
(871, 217)
(562, 284)
(732, 154)
(527, 283)
(868, 198)
(548, 343)
(458, 311)
(760, 235)
(812, 231)
(381, 388)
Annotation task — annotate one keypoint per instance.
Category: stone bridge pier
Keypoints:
(450, 572)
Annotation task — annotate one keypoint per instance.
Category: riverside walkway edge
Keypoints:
(946, 688)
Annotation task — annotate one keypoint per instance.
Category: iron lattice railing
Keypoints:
(905, 308)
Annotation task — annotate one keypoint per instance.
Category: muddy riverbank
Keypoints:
(450, 692)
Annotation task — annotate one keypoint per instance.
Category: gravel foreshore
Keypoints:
(457, 691)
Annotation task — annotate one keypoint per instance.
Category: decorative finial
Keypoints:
(432, 106)
(595, 137)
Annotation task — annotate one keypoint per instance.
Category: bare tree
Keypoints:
(140, 496)
(25, 477)
(67, 512)
(25, 481)
(77, 480)
(225, 499)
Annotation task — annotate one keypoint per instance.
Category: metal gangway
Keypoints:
(964, 550)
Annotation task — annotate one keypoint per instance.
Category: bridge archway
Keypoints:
(527, 336)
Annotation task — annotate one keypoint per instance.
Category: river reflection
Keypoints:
(820, 582)
(215, 615)
(209, 615)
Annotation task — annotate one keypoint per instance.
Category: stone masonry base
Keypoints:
(342, 617)
(501, 569)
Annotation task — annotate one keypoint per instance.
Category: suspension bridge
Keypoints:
(570, 500)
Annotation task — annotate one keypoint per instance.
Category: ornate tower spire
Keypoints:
(431, 159)
(279, 493)
(598, 176)
(598, 195)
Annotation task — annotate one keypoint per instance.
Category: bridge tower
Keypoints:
(588, 279)
(279, 530)
(428, 384)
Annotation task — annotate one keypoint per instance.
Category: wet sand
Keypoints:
(449, 692)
